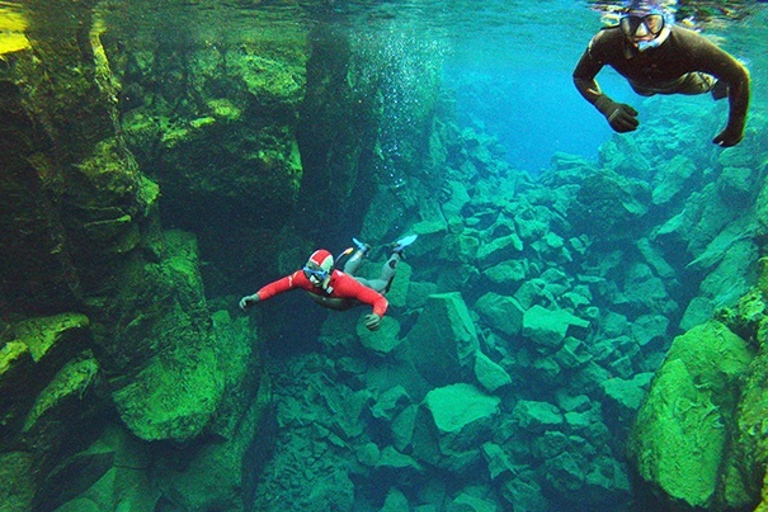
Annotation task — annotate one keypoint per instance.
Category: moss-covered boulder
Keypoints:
(165, 344)
(41, 348)
(679, 443)
(443, 341)
(452, 424)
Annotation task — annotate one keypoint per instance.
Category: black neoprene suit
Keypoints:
(663, 69)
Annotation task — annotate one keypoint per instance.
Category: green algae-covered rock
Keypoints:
(678, 442)
(17, 486)
(501, 312)
(547, 328)
(451, 425)
(443, 339)
(537, 417)
(489, 374)
(165, 341)
(672, 178)
(499, 249)
(43, 345)
(171, 404)
(220, 474)
(382, 341)
(46, 335)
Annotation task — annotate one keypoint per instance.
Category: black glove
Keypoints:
(249, 301)
(620, 116)
(372, 321)
(728, 137)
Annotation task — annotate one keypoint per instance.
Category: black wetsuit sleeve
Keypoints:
(588, 67)
(720, 64)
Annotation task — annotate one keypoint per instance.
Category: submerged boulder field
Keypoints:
(580, 340)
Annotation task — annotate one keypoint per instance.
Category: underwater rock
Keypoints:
(524, 494)
(501, 312)
(499, 250)
(395, 501)
(17, 485)
(390, 403)
(382, 341)
(467, 503)
(547, 328)
(736, 185)
(65, 415)
(623, 397)
(443, 341)
(458, 198)
(72, 476)
(699, 310)
(733, 276)
(402, 427)
(126, 483)
(399, 289)
(572, 354)
(164, 329)
(565, 473)
(655, 258)
(401, 464)
(537, 417)
(679, 440)
(221, 474)
(672, 179)
(460, 248)
(508, 274)
(647, 328)
(498, 461)
(42, 346)
(606, 482)
(450, 425)
(489, 374)
(647, 292)
(609, 207)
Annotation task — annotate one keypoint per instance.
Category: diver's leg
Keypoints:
(356, 260)
(388, 271)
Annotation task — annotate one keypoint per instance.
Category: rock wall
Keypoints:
(109, 348)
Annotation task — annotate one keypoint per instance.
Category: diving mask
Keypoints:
(653, 22)
(315, 276)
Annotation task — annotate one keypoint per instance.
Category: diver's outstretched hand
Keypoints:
(372, 321)
(728, 138)
(249, 301)
(621, 117)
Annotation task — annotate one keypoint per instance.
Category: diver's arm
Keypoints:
(586, 70)
(705, 56)
(282, 285)
(622, 118)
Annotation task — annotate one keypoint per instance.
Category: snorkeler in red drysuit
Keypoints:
(334, 289)
(658, 57)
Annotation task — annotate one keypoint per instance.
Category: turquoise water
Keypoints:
(555, 264)
(509, 62)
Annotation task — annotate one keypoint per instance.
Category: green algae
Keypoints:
(40, 334)
(71, 381)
